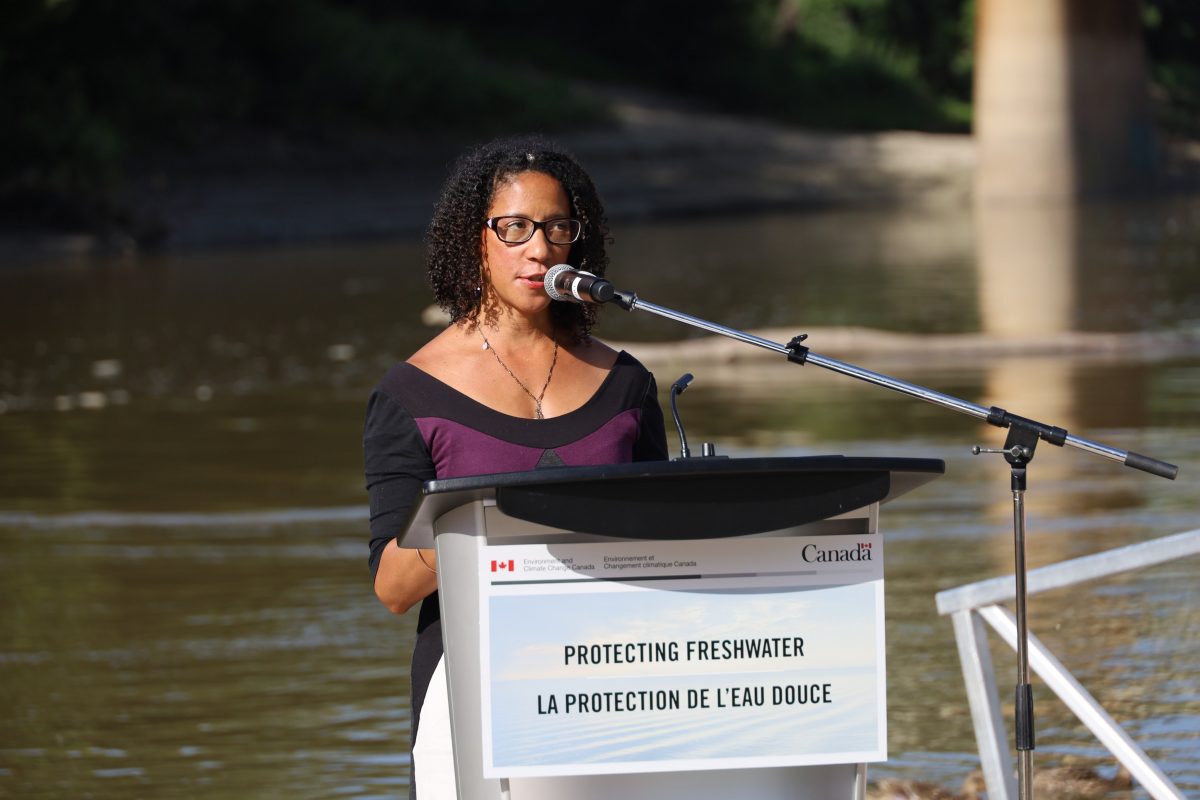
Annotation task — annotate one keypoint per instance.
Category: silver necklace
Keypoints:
(537, 401)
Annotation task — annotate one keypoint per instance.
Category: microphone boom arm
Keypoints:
(1023, 437)
(799, 354)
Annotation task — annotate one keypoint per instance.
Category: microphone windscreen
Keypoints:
(550, 279)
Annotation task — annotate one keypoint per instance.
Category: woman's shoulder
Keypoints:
(414, 382)
(604, 356)
(394, 381)
(429, 367)
(621, 361)
(617, 366)
(627, 381)
(444, 349)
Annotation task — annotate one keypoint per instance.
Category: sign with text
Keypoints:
(682, 655)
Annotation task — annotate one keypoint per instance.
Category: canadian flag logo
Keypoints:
(503, 566)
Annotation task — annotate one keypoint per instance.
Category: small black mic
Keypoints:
(677, 388)
(564, 282)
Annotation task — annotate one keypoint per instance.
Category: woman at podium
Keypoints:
(515, 382)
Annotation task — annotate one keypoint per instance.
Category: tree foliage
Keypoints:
(85, 84)
(828, 63)
(1173, 48)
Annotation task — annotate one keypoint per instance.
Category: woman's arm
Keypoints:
(405, 577)
(651, 444)
(396, 463)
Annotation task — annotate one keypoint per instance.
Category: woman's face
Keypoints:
(514, 273)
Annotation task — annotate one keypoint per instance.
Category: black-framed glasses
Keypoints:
(516, 230)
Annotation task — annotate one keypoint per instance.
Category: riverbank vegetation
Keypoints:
(90, 89)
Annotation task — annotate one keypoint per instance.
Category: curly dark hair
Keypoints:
(453, 256)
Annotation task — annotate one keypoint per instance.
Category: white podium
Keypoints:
(705, 628)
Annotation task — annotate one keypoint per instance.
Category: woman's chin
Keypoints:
(525, 307)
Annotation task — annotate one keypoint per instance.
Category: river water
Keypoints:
(184, 601)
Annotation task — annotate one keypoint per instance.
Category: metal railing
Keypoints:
(969, 607)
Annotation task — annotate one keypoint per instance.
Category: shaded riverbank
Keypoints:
(660, 158)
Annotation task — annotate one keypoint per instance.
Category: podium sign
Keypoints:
(657, 656)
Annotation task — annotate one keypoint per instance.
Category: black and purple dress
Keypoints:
(418, 429)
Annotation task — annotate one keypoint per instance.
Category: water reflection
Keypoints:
(907, 270)
(1048, 267)
(231, 656)
(195, 662)
(1028, 267)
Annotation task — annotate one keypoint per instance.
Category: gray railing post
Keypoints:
(980, 678)
(970, 606)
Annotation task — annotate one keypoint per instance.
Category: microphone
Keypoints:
(677, 388)
(564, 282)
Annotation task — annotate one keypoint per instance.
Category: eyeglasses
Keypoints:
(516, 230)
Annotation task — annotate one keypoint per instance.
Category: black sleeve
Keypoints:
(396, 463)
(651, 444)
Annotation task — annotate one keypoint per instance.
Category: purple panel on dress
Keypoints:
(611, 443)
(459, 451)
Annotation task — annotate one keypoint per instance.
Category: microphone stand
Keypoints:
(1019, 446)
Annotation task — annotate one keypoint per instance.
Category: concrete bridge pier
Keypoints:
(1061, 99)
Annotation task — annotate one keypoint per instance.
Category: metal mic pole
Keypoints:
(1023, 437)
(797, 353)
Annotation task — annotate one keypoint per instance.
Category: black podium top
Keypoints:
(695, 498)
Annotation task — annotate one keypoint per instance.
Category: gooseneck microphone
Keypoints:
(564, 282)
(677, 388)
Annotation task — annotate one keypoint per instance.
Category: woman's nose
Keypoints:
(538, 246)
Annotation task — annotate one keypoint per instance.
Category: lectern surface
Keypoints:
(706, 497)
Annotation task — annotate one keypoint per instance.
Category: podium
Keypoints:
(703, 628)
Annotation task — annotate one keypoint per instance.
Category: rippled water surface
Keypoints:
(185, 603)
